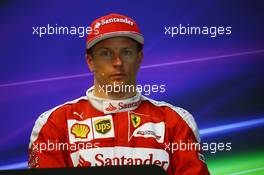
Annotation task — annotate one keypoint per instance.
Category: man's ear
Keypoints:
(90, 63)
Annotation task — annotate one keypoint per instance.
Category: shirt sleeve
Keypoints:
(187, 158)
(44, 147)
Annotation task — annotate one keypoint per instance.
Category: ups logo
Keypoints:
(102, 126)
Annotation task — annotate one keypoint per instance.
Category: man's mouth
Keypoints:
(118, 75)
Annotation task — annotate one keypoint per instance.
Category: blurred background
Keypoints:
(218, 79)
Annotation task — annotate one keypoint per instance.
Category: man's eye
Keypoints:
(127, 52)
(105, 53)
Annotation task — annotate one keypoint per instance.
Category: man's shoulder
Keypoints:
(175, 113)
(162, 105)
(62, 108)
(54, 118)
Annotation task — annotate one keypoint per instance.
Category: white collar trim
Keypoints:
(108, 106)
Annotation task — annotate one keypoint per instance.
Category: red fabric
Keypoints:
(113, 24)
(142, 148)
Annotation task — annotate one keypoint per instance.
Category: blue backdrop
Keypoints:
(218, 79)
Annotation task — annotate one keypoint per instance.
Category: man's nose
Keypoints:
(117, 61)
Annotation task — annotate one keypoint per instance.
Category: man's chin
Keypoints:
(119, 82)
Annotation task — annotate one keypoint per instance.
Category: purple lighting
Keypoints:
(143, 67)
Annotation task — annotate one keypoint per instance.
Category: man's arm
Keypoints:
(43, 150)
(187, 159)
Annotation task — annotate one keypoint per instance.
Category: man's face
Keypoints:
(115, 60)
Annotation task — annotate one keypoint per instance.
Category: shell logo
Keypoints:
(80, 130)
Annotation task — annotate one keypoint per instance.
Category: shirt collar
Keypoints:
(108, 106)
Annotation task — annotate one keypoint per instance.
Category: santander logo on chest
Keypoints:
(114, 107)
(118, 155)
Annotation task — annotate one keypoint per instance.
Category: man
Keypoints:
(114, 124)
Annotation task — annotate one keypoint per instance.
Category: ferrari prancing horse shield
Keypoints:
(135, 119)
